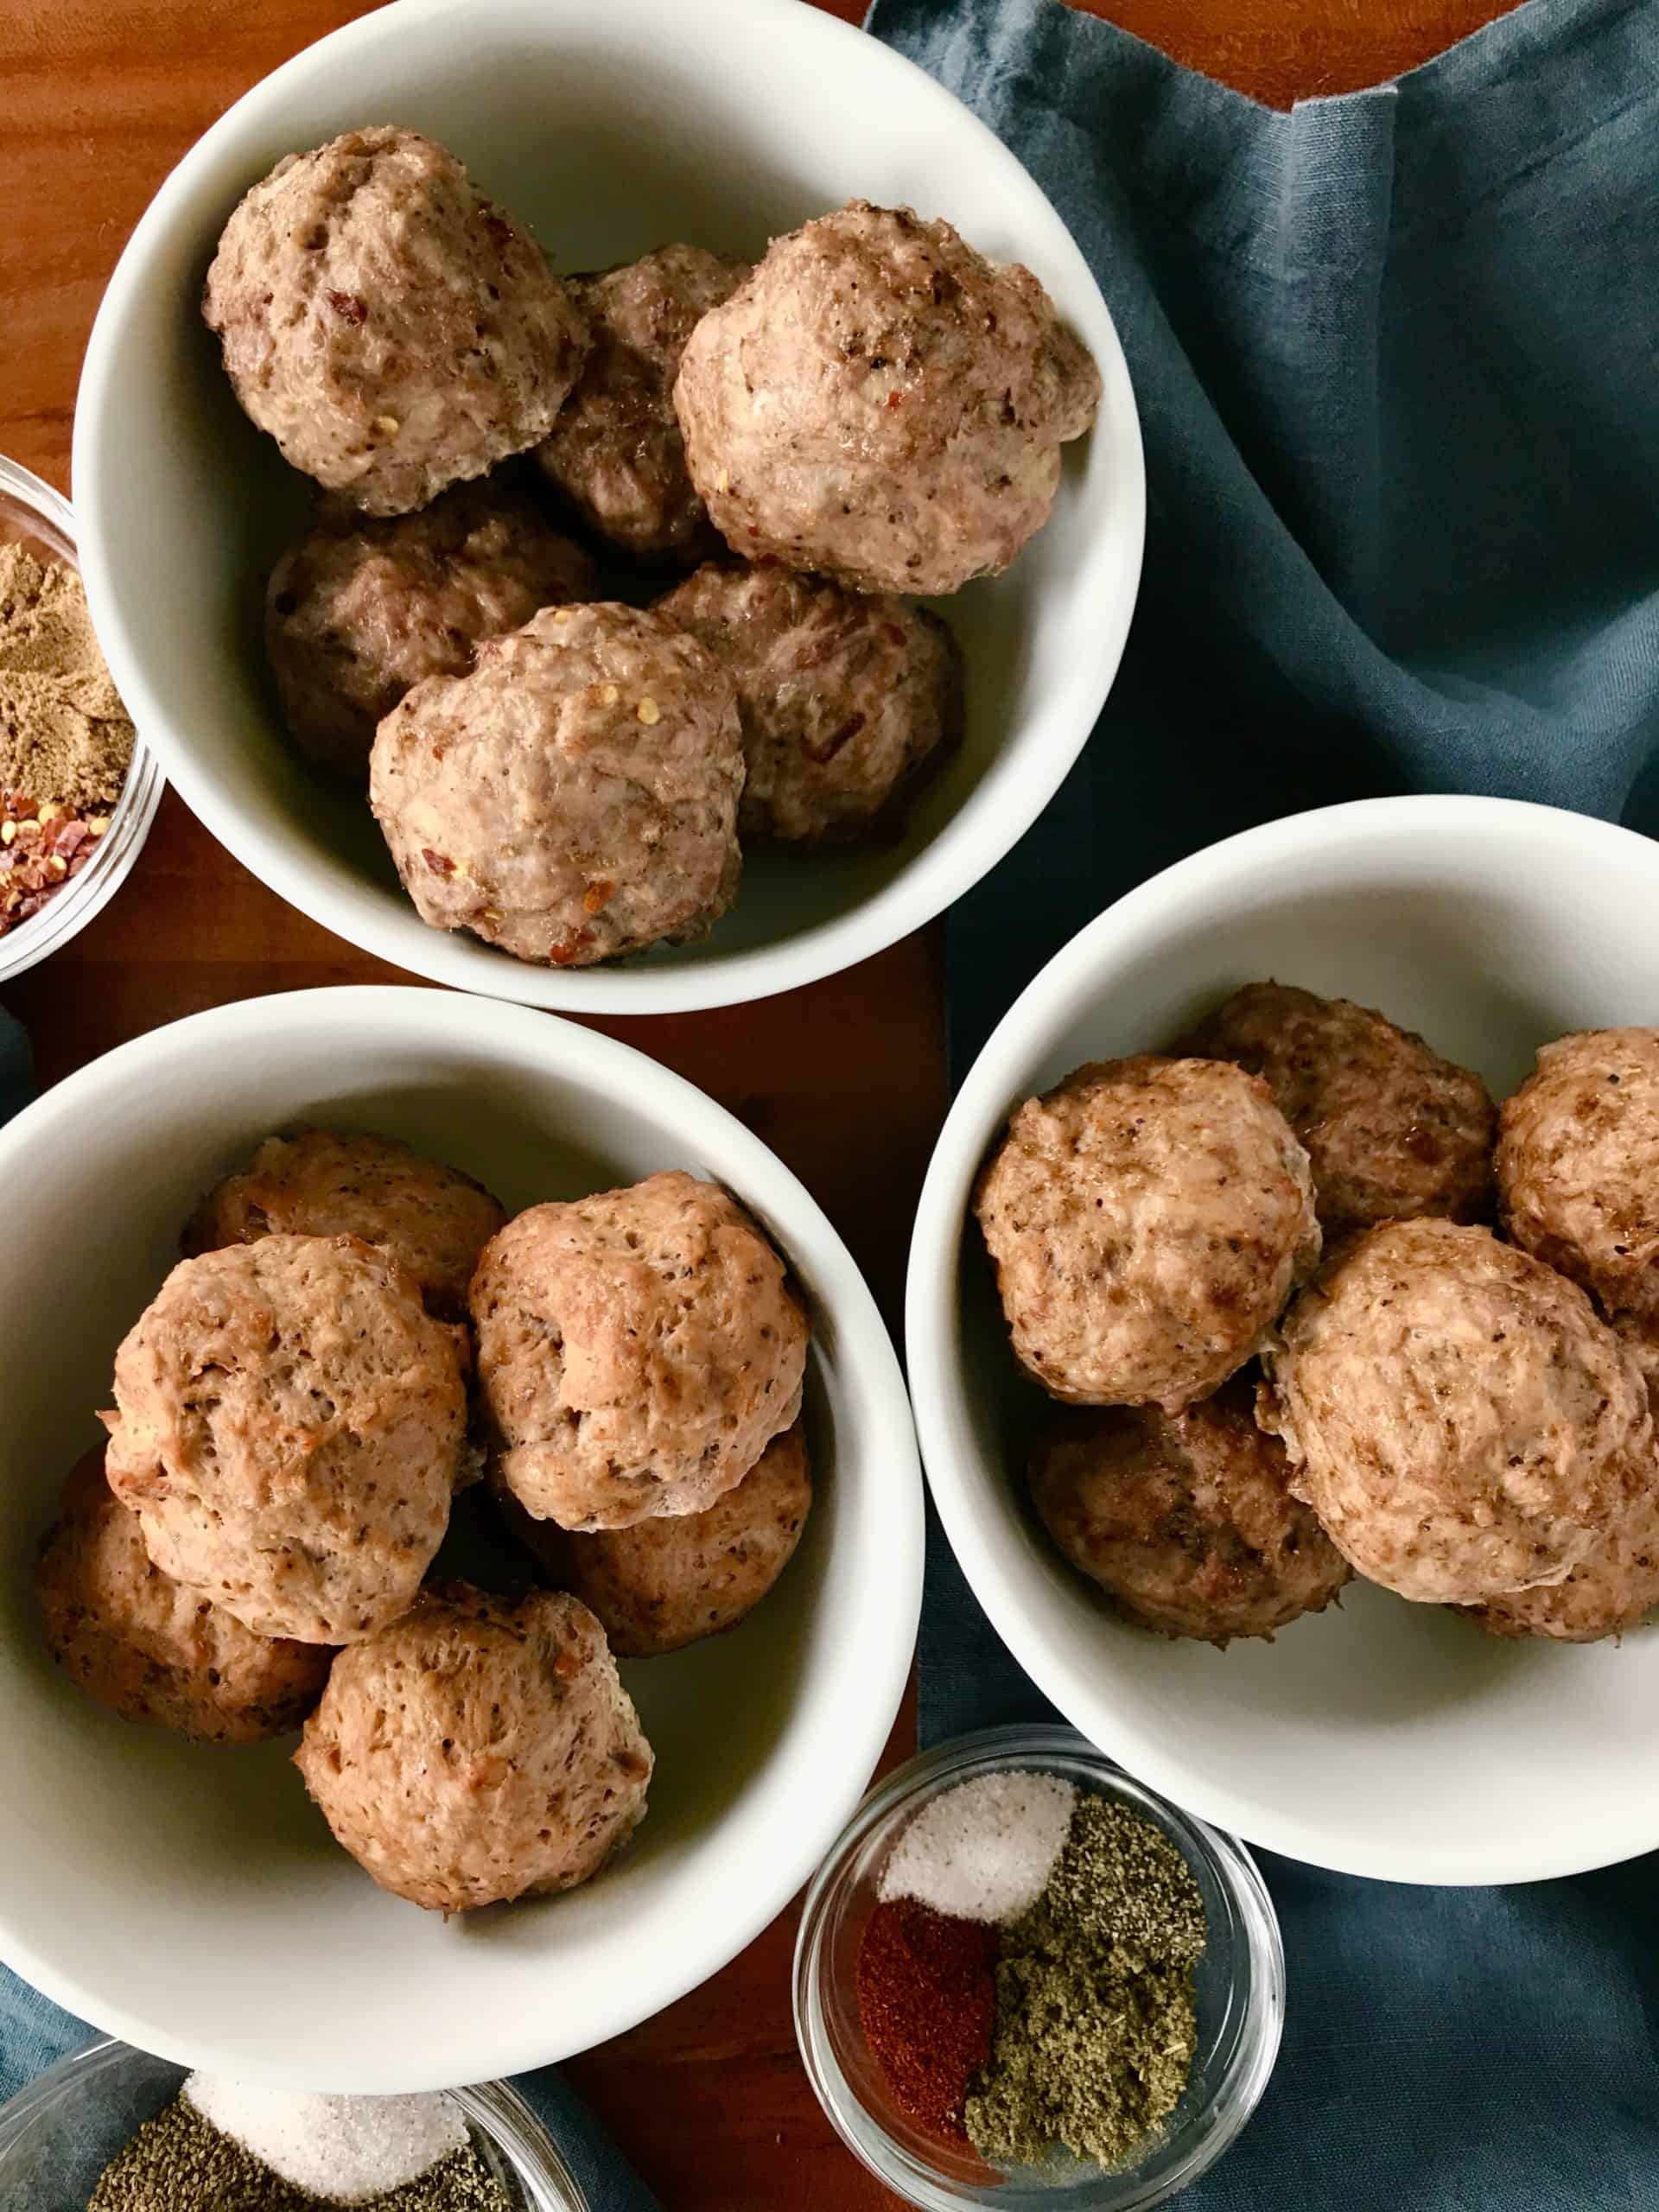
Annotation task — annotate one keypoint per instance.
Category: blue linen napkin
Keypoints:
(1395, 355)
(35, 2033)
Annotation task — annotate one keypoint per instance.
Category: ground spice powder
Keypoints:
(179, 2162)
(65, 736)
(926, 1989)
(1096, 2027)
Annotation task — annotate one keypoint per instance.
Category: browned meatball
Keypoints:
(1148, 1219)
(479, 1750)
(881, 404)
(1614, 1588)
(573, 799)
(1185, 1520)
(288, 1428)
(663, 1584)
(1457, 1415)
(636, 1352)
(1577, 1165)
(360, 608)
(393, 330)
(148, 1647)
(845, 697)
(615, 450)
(1393, 1130)
(431, 1219)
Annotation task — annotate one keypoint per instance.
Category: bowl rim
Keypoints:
(496, 2109)
(853, 1730)
(943, 871)
(66, 914)
(1233, 2101)
(999, 1077)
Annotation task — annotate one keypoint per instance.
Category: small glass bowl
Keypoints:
(32, 513)
(58, 2135)
(1241, 1993)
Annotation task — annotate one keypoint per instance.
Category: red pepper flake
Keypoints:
(598, 896)
(895, 399)
(565, 949)
(926, 1988)
(348, 306)
(440, 863)
(39, 856)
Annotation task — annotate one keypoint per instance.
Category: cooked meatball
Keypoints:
(844, 697)
(666, 1583)
(1577, 1165)
(1185, 1520)
(479, 1750)
(288, 1429)
(1614, 1588)
(615, 451)
(1457, 1415)
(391, 329)
(575, 798)
(636, 1352)
(1393, 1130)
(881, 404)
(361, 609)
(1147, 1218)
(148, 1647)
(431, 1219)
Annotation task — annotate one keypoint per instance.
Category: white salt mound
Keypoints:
(342, 2149)
(984, 1850)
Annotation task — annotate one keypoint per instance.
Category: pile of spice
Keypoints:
(66, 741)
(223, 2146)
(1025, 1979)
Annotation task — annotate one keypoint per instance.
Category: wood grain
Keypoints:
(846, 1080)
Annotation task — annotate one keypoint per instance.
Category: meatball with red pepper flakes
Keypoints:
(480, 1749)
(1185, 1520)
(846, 698)
(391, 328)
(615, 451)
(573, 799)
(363, 607)
(881, 403)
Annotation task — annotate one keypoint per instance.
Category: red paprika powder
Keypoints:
(926, 1988)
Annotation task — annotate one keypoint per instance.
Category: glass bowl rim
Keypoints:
(1231, 2101)
(130, 817)
(497, 2109)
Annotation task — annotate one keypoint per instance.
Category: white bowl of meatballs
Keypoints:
(448, 1464)
(1283, 1317)
(606, 508)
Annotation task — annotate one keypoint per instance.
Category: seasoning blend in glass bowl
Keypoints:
(95, 847)
(65, 2140)
(1013, 1940)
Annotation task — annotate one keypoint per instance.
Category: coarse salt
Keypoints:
(984, 1850)
(344, 2149)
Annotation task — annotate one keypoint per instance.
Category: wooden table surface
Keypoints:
(846, 1080)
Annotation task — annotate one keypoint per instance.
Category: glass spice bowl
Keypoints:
(59, 2133)
(33, 515)
(1239, 1993)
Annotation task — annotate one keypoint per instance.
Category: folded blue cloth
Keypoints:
(34, 2034)
(1394, 356)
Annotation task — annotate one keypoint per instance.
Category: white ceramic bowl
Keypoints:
(611, 128)
(1385, 1738)
(189, 1899)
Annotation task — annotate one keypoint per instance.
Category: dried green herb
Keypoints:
(1096, 2026)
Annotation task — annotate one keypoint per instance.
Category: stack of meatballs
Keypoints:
(1312, 1306)
(565, 767)
(356, 1334)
